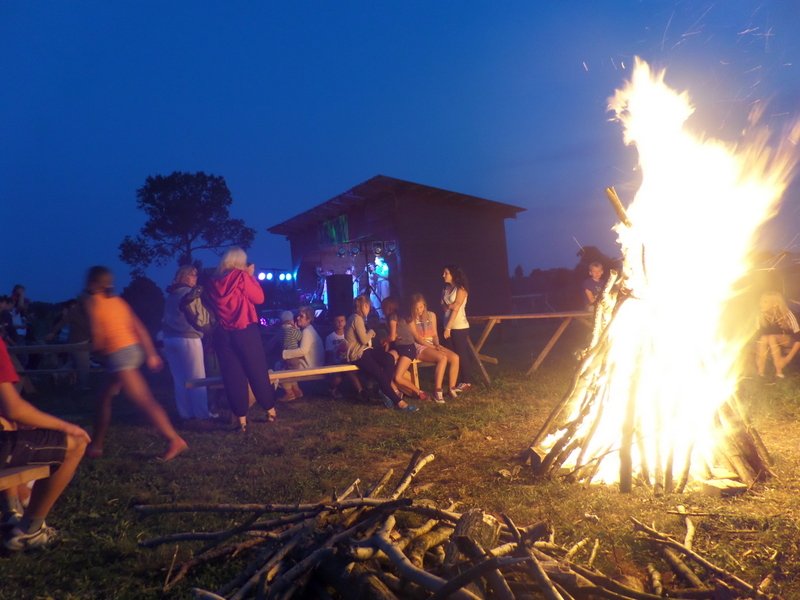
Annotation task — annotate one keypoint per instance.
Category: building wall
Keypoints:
(432, 235)
(429, 235)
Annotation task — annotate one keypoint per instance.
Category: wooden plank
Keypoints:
(488, 359)
(552, 342)
(477, 361)
(18, 475)
(282, 375)
(49, 348)
(551, 315)
(487, 329)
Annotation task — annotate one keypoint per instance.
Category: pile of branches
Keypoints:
(383, 546)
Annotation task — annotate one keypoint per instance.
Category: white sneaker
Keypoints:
(438, 397)
(20, 541)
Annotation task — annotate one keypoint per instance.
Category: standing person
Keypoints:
(777, 331)
(336, 354)
(593, 285)
(233, 293)
(122, 339)
(374, 362)
(19, 311)
(456, 326)
(183, 348)
(76, 322)
(52, 442)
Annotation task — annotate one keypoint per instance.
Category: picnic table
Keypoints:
(491, 320)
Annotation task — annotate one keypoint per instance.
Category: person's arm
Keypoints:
(252, 289)
(589, 295)
(154, 362)
(16, 409)
(363, 334)
(435, 330)
(461, 297)
(304, 349)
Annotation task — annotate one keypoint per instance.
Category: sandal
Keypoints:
(422, 396)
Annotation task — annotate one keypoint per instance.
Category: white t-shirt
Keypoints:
(336, 348)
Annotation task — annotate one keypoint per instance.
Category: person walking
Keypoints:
(122, 339)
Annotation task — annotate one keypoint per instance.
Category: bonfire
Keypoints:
(654, 398)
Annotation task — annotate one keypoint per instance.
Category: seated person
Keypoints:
(53, 442)
(777, 330)
(310, 353)
(374, 362)
(417, 337)
(336, 354)
(291, 336)
(593, 285)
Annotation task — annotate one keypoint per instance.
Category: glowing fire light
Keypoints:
(673, 355)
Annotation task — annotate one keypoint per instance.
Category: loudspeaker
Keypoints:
(340, 295)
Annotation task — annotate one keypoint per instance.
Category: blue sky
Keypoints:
(295, 102)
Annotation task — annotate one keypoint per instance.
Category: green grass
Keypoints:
(319, 445)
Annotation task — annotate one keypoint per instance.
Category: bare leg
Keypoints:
(775, 351)
(404, 384)
(102, 416)
(440, 358)
(452, 373)
(47, 491)
(137, 390)
(792, 353)
(762, 349)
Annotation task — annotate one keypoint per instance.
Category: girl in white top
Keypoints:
(456, 325)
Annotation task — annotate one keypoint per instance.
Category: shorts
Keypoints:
(31, 447)
(407, 350)
(129, 357)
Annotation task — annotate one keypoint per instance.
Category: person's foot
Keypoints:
(463, 387)
(272, 415)
(94, 451)
(176, 447)
(19, 541)
(453, 393)
(405, 406)
(780, 375)
(422, 396)
(438, 397)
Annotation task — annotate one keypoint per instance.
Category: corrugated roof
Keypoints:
(379, 187)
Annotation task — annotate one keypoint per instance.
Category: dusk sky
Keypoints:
(295, 102)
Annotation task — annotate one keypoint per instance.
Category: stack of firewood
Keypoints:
(383, 546)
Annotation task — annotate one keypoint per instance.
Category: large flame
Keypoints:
(673, 357)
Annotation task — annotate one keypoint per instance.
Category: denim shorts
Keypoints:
(129, 357)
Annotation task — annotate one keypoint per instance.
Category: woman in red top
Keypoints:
(233, 294)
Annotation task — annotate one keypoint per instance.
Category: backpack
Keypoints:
(196, 313)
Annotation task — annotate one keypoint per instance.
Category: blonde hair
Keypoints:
(183, 273)
(307, 312)
(360, 302)
(234, 258)
(773, 308)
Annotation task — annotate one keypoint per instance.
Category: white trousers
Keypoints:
(185, 359)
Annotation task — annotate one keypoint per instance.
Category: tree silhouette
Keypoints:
(185, 212)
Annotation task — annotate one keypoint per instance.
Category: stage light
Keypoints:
(282, 276)
(354, 250)
(270, 276)
(377, 248)
(341, 251)
(262, 276)
(288, 277)
(391, 248)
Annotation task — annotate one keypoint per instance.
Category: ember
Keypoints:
(654, 398)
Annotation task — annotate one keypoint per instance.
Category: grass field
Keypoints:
(319, 445)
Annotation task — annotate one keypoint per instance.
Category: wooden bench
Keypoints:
(15, 476)
(293, 375)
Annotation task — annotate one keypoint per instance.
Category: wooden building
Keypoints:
(415, 230)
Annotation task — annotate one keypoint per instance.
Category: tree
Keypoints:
(147, 301)
(185, 212)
